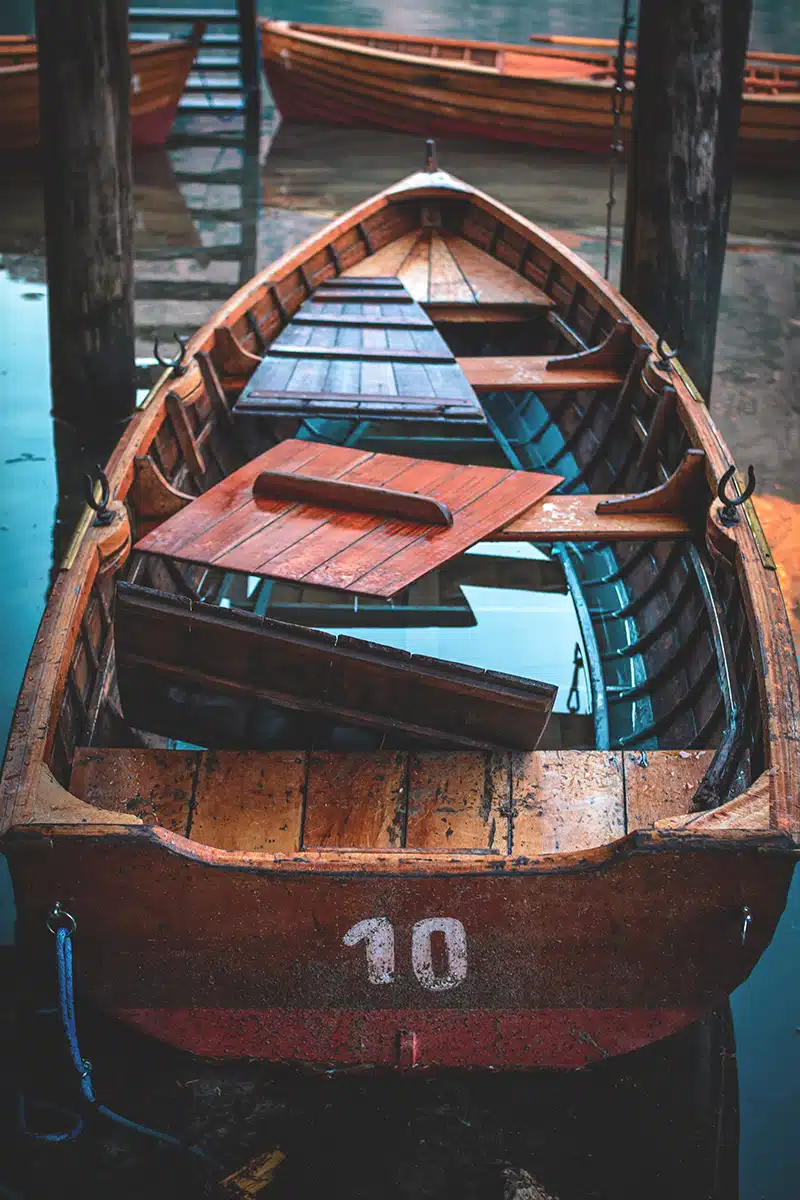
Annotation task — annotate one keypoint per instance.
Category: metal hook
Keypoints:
(104, 514)
(663, 355)
(175, 363)
(728, 514)
(747, 917)
(431, 164)
(58, 918)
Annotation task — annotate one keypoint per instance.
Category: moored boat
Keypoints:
(296, 764)
(158, 75)
(557, 94)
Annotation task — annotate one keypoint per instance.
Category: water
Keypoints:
(190, 254)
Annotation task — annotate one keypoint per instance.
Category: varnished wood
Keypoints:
(163, 644)
(367, 553)
(626, 908)
(523, 374)
(360, 497)
(153, 497)
(585, 518)
(552, 97)
(678, 494)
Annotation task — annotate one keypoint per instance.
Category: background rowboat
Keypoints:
(554, 95)
(158, 74)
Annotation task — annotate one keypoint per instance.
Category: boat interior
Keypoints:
(582, 669)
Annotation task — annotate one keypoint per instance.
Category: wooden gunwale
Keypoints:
(38, 706)
(547, 106)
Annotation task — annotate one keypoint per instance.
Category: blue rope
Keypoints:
(66, 1012)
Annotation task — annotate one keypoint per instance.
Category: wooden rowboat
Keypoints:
(553, 95)
(285, 830)
(158, 76)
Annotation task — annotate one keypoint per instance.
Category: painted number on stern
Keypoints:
(377, 934)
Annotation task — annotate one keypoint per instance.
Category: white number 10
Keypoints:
(378, 934)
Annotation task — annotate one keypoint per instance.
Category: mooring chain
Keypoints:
(618, 93)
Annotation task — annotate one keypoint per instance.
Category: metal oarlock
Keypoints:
(176, 364)
(103, 514)
(728, 513)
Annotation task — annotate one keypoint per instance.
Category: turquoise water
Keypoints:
(314, 171)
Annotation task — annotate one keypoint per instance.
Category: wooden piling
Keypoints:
(250, 63)
(689, 72)
(84, 82)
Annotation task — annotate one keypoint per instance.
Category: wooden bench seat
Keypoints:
(211, 675)
(504, 803)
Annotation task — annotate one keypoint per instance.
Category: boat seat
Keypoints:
(545, 66)
(215, 675)
(539, 802)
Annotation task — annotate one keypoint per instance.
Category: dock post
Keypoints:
(689, 72)
(84, 89)
(250, 62)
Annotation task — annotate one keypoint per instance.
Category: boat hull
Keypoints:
(158, 76)
(600, 956)
(317, 78)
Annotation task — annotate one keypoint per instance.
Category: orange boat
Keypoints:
(158, 76)
(557, 94)
(284, 829)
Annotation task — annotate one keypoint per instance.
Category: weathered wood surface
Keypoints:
(660, 784)
(252, 959)
(526, 374)
(360, 351)
(513, 804)
(84, 84)
(229, 527)
(680, 173)
(171, 653)
(584, 518)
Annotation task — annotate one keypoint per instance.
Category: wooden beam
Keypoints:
(689, 73)
(179, 663)
(361, 497)
(527, 373)
(583, 519)
(84, 101)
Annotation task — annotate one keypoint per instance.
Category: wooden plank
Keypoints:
(415, 272)
(528, 373)
(566, 800)
(362, 321)
(490, 281)
(458, 801)
(447, 282)
(154, 785)
(387, 260)
(442, 313)
(229, 528)
(356, 800)
(332, 353)
(172, 653)
(577, 519)
(661, 783)
(249, 801)
(748, 811)
(367, 296)
(226, 515)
